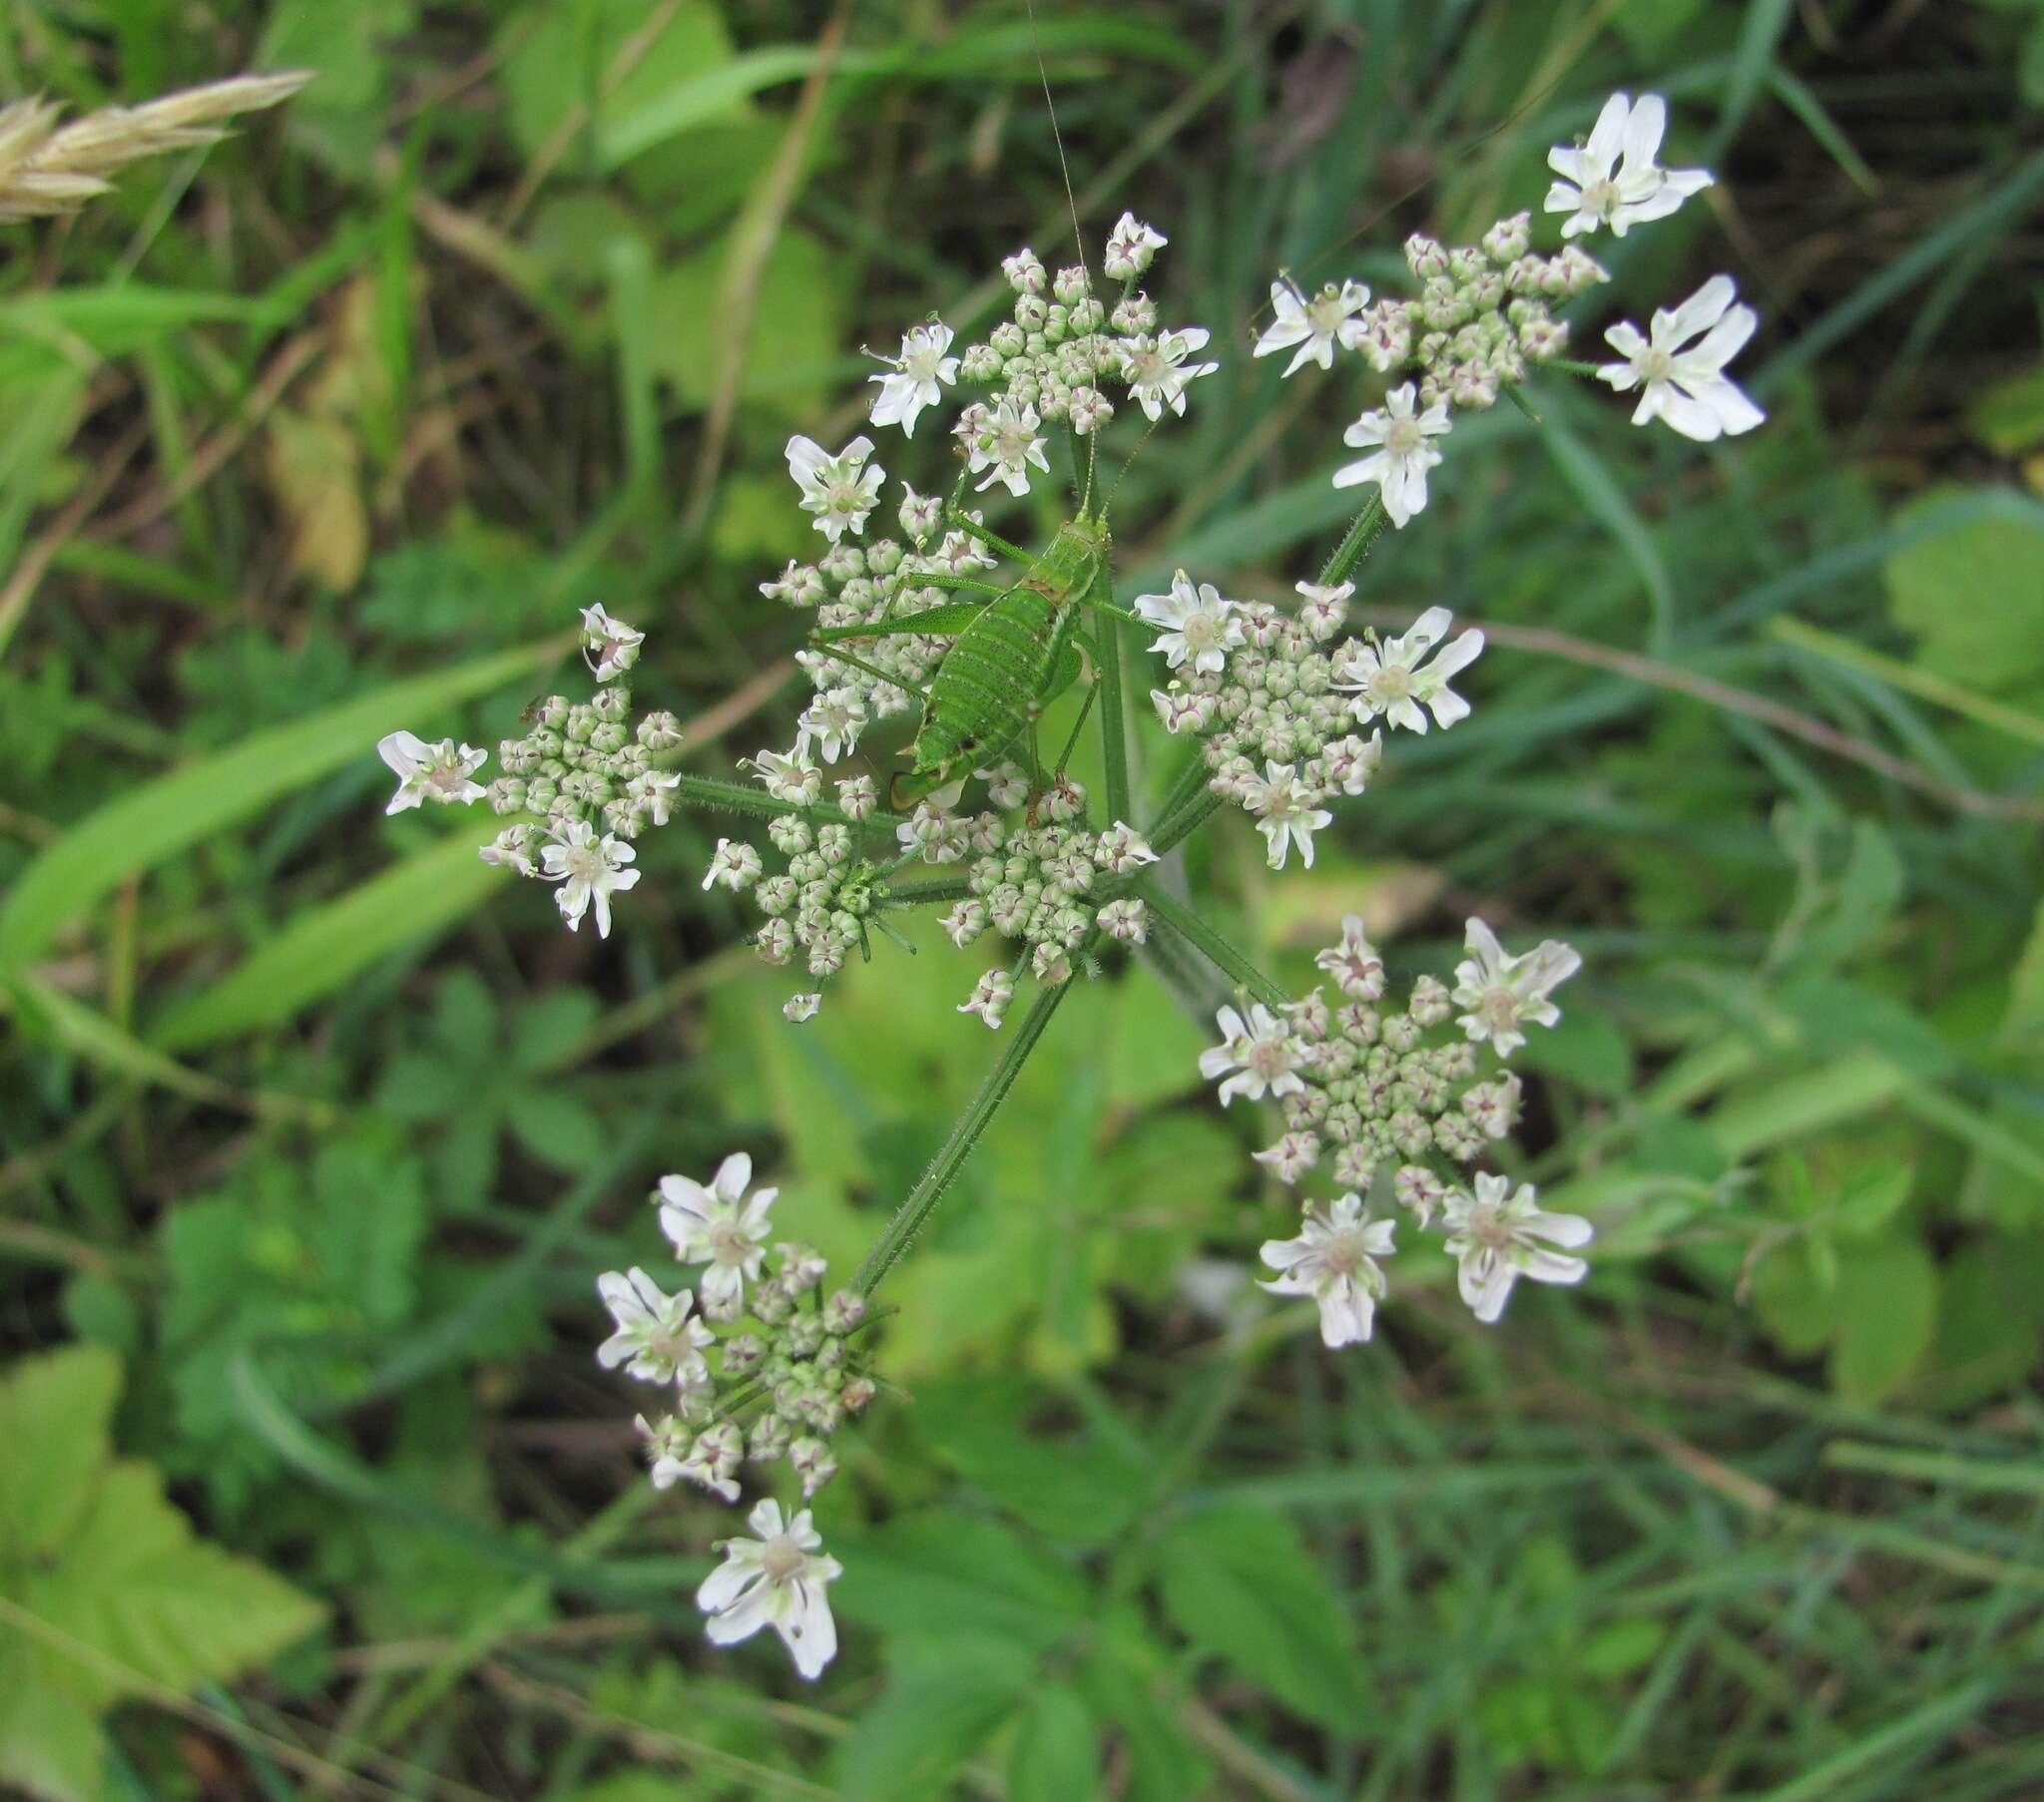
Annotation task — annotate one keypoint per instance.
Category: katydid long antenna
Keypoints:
(1078, 242)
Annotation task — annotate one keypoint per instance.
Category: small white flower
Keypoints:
(1131, 247)
(654, 791)
(719, 1226)
(789, 776)
(1156, 372)
(1024, 271)
(834, 721)
(1004, 444)
(1327, 606)
(856, 797)
(1638, 189)
(1121, 848)
(775, 1579)
(965, 922)
(589, 869)
(799, 1007)
(1315, 325)
(841, 490)
(609, 646)
(1291, 1156)
(1200, 628)
(1387, 679)
(658, 1339)
(1499, 992)
(1500, 1235)
(436, 773)
(1357, 970)
(1680, 369)
(911, 382)
(667, 1447)
(941, 835)
(1050, 964)
(735, 866)
(1007, 784)
(1261, 1052)
(1335, 1260)
(1351, 761)
(512, 848)
(990, 998)
(1405, 454)
(1125, 919)
(1286, 812)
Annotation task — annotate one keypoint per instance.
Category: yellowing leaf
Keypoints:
(314, 470)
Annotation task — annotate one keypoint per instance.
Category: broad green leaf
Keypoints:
(1585, 1048)
(55, 1415)
(1888, 1311)
(325, 948)
(2008, 415)
(1070, 1487)
(51, 1745)
(1872, 1195)
(158, 1606)
(797, 310)
(154, 820)
(1837, 1016)
(1126, 1679)
(1990, 1321)
(1935, 590)
(1241, 1586)
(931, 1572)
(1054, 1757)
(943, 1700)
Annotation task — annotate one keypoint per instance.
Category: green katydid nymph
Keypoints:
(1013, 652)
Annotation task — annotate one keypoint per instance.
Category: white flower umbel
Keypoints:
(1612, 179)
(1200, 628)
(717, 1226)
(1357, 970)
(430, 772)
(1679, 368)
(1499, 992)
(912, 380)
(589, 870)
(1315, 325)
(1389, 682)
(1004, 445)
(841, 490)
(1284, 810)
(1404, 452)
(834, 721)
(609, 646)
(1260, 1054)
(775, 1579)
(1156, 372)
(658, 1339)
(1131, 247)
(1499, 1234)
(1335, 1260)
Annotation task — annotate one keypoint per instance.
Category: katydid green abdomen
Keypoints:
(998, 670)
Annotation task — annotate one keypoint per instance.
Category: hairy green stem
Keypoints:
(1176, 828)
(943, 1171)
(1213, 946)
(734, 797)
(918, 894)
(1356, 544)
(1114, 736)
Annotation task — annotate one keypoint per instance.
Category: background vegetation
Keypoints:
(313, 1135)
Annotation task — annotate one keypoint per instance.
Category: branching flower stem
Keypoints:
(735, 798)
(1213, 946)
(943, 1171)
(1356, 542)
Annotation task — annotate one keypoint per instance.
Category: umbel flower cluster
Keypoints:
(785, 1376)
(1391, 1102)
(1387, 1111)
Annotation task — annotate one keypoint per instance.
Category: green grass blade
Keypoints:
(157, 820)
(321, 949)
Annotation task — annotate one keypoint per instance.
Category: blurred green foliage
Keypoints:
(313, 1135)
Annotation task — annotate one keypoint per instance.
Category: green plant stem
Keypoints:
(734, 797)
(919, 894)
(1177, 827)
(1183, 789)
(1213, 946)
(943, 1171)
(1114, 734)
(1356, 542)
